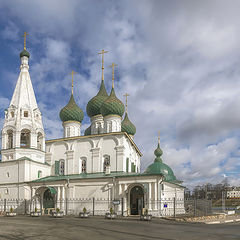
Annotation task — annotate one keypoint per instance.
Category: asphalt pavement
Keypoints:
(44, 228)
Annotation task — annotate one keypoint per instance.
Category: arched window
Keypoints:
(84, 165)
(12, 114)
(10, 139)
(39, 174)
(61, 167)
(39, 141)
(106, 162)
(25, 138)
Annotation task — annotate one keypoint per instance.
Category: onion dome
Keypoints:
(112, 105)
(127, 126)
(24, 53)
(158, 167)
(94, 105)
(87, 131)
(71, 112)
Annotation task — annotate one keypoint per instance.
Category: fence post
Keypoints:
(174, 207)
(195, 206)
(93, 205)
(122, 207)
(25, 206)
(66, 202)
(5, 205)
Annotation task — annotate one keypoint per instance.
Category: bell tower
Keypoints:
(23, 133)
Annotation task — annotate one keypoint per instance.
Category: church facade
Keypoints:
(101, 165)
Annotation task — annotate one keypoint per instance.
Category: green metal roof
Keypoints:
(158, 167)
(87, 176)
(71, 112)
(128, 126)
(94, 105)
(112, 105)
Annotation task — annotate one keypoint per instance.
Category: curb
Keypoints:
(226, 221)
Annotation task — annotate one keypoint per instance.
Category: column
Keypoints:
(125, 199)
(155, 196)
(95, 160)
(69, 163)
(58, 197)
(150, 196)
(17, 139)
(120, 150)
(63, 200)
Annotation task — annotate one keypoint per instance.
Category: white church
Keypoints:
(101, 167)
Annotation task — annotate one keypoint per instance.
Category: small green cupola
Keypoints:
(24, 53)
(158, 167)
(94, 105)
(71, 112)
(127, 126)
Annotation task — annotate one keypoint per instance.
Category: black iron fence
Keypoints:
(164, 207)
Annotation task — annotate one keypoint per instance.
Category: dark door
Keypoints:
(136, 200)
(48, 199)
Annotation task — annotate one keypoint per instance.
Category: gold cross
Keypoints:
(112, 66)
(159, 137)
(72, 73)
(102, 52)
(25, 39)
(126, 95)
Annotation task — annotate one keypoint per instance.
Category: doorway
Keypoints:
(136, 200)
(49, 199)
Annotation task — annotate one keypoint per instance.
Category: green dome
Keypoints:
(127, 126)
(24, 53)
(158, 167)
(94, 105)
(112, 105)
(71, 112)
(87, 131)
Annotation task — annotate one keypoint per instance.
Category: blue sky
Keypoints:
(178, 60)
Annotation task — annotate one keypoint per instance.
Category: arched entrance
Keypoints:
(49, 196)
(136, 200)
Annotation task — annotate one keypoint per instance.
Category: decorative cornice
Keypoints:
(97, 135)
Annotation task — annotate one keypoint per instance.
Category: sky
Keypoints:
(178, 60)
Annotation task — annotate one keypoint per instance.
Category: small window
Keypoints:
(8, 174)
(25, 114)
(62, 167)
(39, 174)
(6, 191)
(106, 162)
(12, 114)
(84, 165)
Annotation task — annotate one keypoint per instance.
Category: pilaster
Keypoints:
(95, 159)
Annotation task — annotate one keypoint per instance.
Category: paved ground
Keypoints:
(24, 227)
